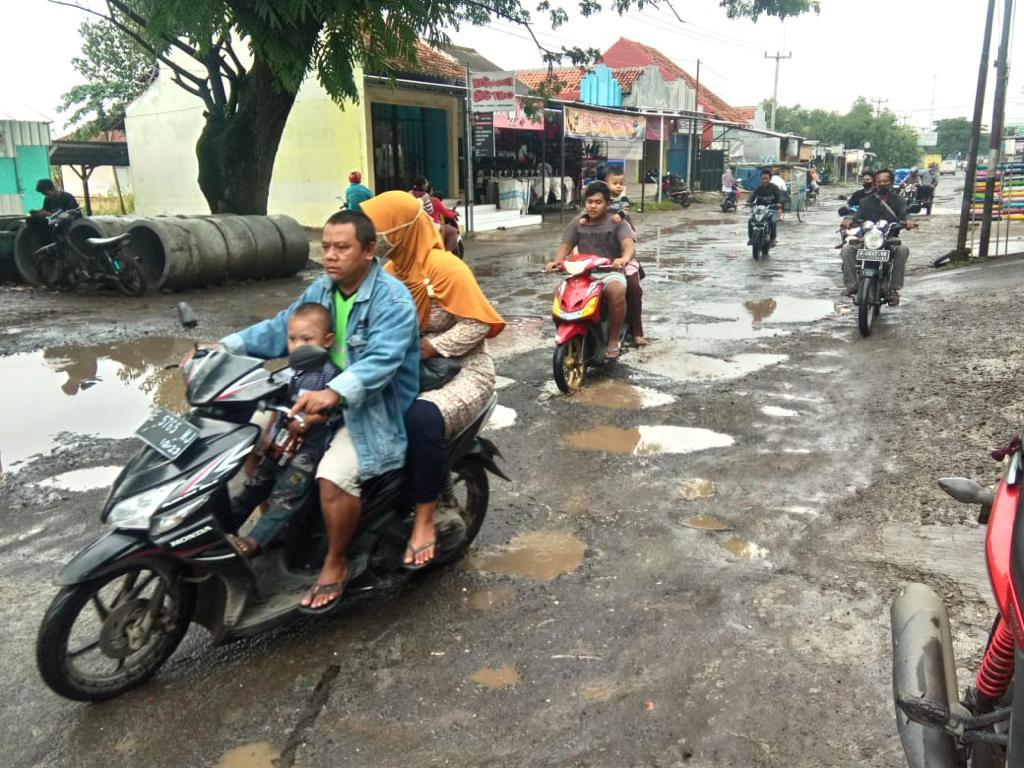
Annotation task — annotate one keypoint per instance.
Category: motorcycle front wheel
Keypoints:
(130, 279)
(867, 305)
(54, 273)
(568, 365)
(104, 637)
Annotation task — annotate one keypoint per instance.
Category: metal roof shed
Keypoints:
(23, 162)
(87, 156)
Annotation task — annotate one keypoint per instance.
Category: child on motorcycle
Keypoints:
(282, 482)
(619, 206)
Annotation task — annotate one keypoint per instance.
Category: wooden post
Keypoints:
(117, 184)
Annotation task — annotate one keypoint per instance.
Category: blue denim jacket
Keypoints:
(382, 349)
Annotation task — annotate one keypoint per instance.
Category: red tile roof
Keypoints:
(629, 53)
(567, 80)
(432, 63)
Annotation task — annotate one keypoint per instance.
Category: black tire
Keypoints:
(756, 248)
(56, 663)
(765, 247)
(462, 250)
(867, 308)
(467, 476)
(53, 272)
(131, 280)
(801, 209)
(568, 365)
(685, 202)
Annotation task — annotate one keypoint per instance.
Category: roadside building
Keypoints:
(24, 159)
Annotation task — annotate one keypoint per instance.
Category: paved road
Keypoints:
(691, 566)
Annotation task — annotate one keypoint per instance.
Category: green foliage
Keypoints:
(116, 70)
(954, 137)
(894, 145)
(781, 8)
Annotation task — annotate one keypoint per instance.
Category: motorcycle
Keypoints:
(453, 221)
(920, 194)
(937, 728)
(761, 239)
(879, 241)
(581, 321)
(673, 188)
(128, 598)
(60, 265)
(728, 202)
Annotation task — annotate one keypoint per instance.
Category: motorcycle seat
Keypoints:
(103, 242)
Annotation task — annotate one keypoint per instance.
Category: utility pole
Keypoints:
(998, 118)
(775, 90)
(972, 159)
(878, 105)
(694, 132)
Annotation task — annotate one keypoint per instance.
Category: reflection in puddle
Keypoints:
(761, 310)
(543, 555)
(672, 362)
(260, 754)
(502, 416)
(753, 319)
(83, 479)
(500, 677)
(782, 413)
(105, 390)
(488, 599)
(615, 393)
(646, 440)
(744, 549)
(697, 488)
(707, 523)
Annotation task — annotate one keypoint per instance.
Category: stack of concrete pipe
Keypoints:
(9, 226)
(182, 252)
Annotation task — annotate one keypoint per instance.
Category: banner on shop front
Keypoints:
(493, 91)
(584, 124)
(624, 150)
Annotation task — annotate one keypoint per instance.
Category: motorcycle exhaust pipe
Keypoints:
(923, 668)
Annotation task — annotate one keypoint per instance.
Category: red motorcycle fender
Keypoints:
(567, 331)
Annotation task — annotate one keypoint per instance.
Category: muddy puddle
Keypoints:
(542, 555)
(618, 394)
(502, 416)
(106, 391)
(706, 523)
(672, 361)
(697, 488)
(754, 319)
(83, 479)
(256, 755)
(779, 413)
(743, 549)
(496, 677)
(490, 599)
(648, 440)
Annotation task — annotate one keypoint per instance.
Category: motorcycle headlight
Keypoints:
(173, 517)
(135, 512)
(874, 239)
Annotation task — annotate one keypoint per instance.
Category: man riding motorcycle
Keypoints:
(867, 180)
(770, 195)
(883, 203)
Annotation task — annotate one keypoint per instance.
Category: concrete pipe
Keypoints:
(98, 226)
(9, 226)
(179, 253)
(296, 244)
(241, 247)
(26, 243)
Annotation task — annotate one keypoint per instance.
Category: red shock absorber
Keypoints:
(996, 671)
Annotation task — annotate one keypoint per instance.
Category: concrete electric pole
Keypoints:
(878, 105)
(775, 91)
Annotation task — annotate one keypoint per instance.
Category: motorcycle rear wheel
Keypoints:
(119, 600)
(468, 493)
(801, 209)
(130, 280)
(568, 365)
(867, 305)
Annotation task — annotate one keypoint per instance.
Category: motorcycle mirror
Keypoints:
(308, 358)
(967, 491)
(186, 315)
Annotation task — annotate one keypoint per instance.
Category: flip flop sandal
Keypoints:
(334, 588)
(413, 566)
(242, 546)
(612, 354)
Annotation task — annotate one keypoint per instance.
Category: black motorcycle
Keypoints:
(877, 247)
(62, 266)
(728, 202)
(761, 231)
(128, 598)
(675, 189)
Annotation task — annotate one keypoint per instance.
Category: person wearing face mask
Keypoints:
(882, 203)
(455, 320)
(867, 180)
(377, 348)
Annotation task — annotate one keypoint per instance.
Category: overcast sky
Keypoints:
(885, 49)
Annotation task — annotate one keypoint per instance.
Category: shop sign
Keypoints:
(483, 134)
(624, 150)
(493, 91)
(584, 124)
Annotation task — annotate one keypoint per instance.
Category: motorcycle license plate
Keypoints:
(167, 434)
(872, 254)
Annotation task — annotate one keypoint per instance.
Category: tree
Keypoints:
(894, 145)
(954, 137)
(248, 95)
(116, 70)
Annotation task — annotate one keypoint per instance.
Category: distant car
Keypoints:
(947, 166)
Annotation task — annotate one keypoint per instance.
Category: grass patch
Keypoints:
(108, 205)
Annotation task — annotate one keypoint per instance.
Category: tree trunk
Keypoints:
(236, 151)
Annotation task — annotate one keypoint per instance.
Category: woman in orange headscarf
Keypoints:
(455, 321)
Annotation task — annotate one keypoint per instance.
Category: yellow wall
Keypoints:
(407, 97)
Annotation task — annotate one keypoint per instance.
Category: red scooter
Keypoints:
(938, 729)
(581, 321)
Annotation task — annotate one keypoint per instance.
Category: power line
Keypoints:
(775, 91)
(878, 105)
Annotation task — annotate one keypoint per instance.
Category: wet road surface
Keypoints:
(691, 566)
